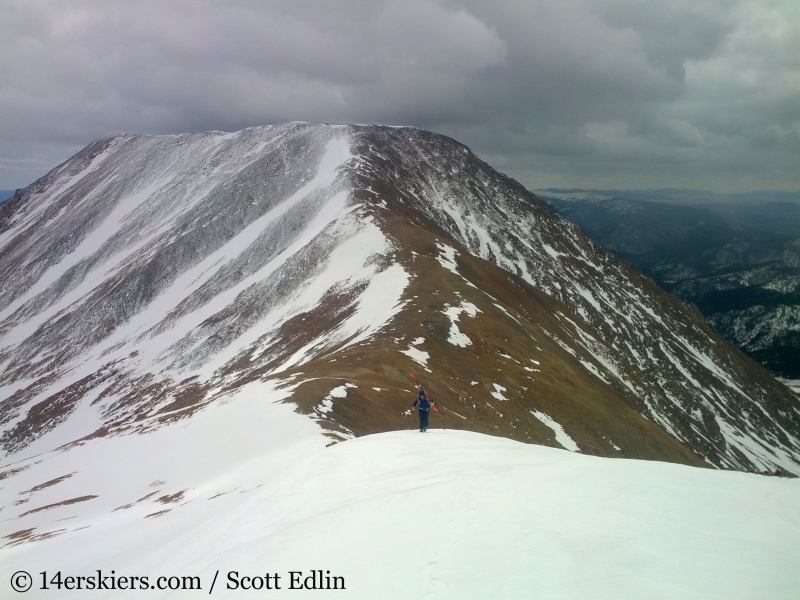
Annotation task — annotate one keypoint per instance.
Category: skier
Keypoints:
(424, 409)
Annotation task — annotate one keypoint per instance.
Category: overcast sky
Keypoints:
(565, 93)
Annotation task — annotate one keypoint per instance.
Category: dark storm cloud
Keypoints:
(605, 93)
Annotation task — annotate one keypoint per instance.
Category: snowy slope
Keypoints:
(399, 515)
(154, 275)
(145, 256)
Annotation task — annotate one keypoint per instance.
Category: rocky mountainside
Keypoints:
(739, 263)
(151, 276)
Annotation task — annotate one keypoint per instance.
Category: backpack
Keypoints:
(423, 397)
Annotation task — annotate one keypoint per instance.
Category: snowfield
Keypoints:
(249, 486)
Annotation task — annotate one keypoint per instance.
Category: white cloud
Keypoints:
(701, 93)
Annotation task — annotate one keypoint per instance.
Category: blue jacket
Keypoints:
(422, 400)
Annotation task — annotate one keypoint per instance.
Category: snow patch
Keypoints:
(456, 337)
(447, 257)
(498, 391)
(561, 436)
(341, 391)
(552, 251)
(419, 356)
(326, 405)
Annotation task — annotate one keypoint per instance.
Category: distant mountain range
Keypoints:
(736, 256)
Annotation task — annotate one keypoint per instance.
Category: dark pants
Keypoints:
(423, 419)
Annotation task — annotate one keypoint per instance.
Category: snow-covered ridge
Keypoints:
(626, 331)
(514, 518)
(175, 256)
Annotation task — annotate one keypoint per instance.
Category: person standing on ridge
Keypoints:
(424, 406)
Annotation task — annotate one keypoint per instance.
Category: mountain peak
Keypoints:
(156, 275)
